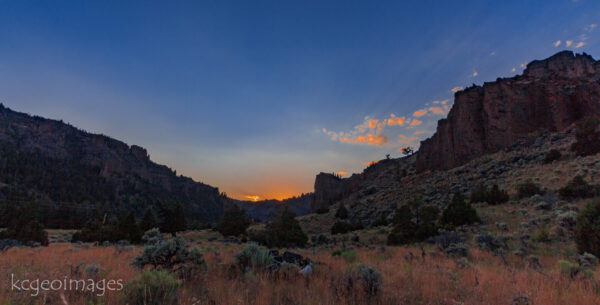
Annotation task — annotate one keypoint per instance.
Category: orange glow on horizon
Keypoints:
(254, 198)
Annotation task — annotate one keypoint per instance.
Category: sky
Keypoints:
(257, 97)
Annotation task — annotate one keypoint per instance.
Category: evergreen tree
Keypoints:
(129, 229)
(171, 220)
(404, 228)
(234, 221)
(148, 220)
(285, 231)
(24, 226)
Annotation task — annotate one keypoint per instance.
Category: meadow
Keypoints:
(407, 275)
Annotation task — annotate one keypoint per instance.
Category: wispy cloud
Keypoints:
(369, 163)
(590, 27)
(579, 45)
(475, 74)
(342, 173)
(437, 110)
(557, 43)
(513, 70)
(456, 89)
(568, 43)
(420, 113)
(416, 122)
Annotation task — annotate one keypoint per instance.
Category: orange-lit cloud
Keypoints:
(369, 163)
(579, 45)
(373, 124)
(369, 139)
(415, 122)
(456, 89)
(420, 113)
(436, 110)
(342, 173)
(252, 197)
(419, 131)
(394, 120)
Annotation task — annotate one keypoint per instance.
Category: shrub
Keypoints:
(479, 194)
(322, 210)
(577, 188)
(528, 189)
(234, 222)
(341, 213)
(342, 227)
(253, 256)
(492, 196)
(361, 276)
(171, 255)
(349, 256)
(572, 270)
(458, 213)
(542, 236)
(112, 230)
(496, 195)
(587, 137)
(551, 156)
(380, 221)
(152, 287)
(587, 229)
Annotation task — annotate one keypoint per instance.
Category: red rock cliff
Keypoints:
(551, 94)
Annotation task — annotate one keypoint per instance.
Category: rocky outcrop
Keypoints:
(328, 188)
(550, 95)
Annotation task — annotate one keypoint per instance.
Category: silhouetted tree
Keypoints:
(148, 220)
(234, 221)
(342, 212)
(458, 213)
(285, 231)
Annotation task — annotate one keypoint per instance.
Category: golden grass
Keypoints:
(435, 279)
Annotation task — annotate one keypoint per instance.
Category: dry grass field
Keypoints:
(407, 277)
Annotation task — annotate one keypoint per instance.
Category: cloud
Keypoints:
(394, 120)
(420, 113)
(579, 45)
(523, 65)
(373, 124)
(557, 43)
(342, 173)
(436, 110)
(420, 132)
(415, 122)
(493, 53)
(369, 163)
(456, 89)
(475, 73)
(569, 43)
(590, 27)
(513, 70)
(369, 139)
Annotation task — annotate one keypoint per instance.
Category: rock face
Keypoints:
(328, 188)
(550, 95)
(128, 178)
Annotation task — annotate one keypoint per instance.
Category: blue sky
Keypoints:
(256, 97)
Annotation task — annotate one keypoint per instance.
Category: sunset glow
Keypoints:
(252, 197)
